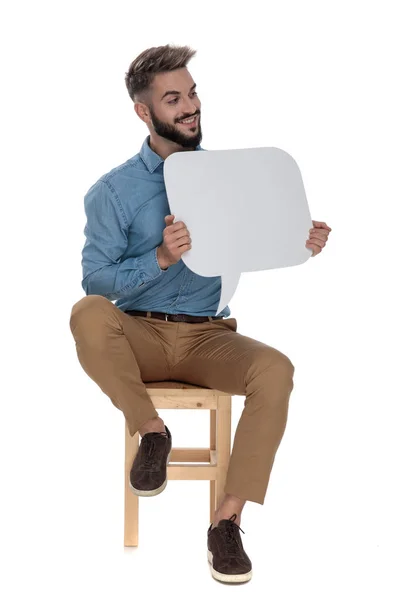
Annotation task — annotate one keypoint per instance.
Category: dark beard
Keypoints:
(171, 133)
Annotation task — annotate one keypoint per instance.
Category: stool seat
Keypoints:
(181, 395)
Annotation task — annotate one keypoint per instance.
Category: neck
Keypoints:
(164, 147)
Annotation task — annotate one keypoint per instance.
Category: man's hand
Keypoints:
(176, 241)
(318, 237)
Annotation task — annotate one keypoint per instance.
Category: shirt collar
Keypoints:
(150, 158)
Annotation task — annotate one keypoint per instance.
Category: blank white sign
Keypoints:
(245, 209)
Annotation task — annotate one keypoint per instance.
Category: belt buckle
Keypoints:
(166, 316)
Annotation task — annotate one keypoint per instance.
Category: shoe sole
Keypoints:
(154, 492)
(235, 578)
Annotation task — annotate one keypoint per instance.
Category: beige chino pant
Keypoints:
(121, 353)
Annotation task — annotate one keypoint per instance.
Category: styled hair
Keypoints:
(145, 67)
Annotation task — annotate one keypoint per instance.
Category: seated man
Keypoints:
(162, 325)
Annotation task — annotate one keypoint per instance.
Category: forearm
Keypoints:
(118, 280)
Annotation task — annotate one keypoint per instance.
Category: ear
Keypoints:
(142, 111)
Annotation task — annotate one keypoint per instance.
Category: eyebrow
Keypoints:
(175, 92)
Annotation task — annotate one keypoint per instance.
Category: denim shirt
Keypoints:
(125, 212)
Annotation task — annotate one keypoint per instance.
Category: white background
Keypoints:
(318, 79)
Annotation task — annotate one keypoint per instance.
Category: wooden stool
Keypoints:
(174, 394)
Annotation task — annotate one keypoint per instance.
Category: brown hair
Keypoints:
(154, 60)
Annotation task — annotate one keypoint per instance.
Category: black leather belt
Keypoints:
(171, 317)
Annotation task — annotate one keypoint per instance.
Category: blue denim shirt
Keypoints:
(125, 212)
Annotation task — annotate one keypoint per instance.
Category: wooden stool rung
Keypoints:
(192, 472)
(190, 455)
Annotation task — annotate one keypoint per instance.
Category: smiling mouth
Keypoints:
(194, 122)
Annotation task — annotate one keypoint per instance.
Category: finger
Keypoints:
(175, 227)
(181, 230)
(182, 235)
(321, 224)
(316, 249)
(180, 244)
(316, 242)
(319, 234)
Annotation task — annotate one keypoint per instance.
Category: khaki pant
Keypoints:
(121, 353)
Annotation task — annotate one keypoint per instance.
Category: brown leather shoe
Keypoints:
(148, 476)
(229, 562)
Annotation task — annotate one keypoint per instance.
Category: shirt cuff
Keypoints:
(148, 266)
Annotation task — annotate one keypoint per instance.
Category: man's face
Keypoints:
(168, 110)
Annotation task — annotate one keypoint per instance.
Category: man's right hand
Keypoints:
(176, 241)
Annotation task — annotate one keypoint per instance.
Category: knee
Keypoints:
(272, 372)
(273, 361)
(91, 305)
(286, 364)
(283, 364)
(282, 370)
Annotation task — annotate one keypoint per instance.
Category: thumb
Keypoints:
(169, 217)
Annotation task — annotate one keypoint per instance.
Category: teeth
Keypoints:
(189, 120)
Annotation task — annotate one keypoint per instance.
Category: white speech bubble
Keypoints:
(245, 209)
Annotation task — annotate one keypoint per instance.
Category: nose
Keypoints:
(191, 110)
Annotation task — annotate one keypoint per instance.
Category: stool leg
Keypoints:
(131, 515)
(223, 444)
(213, 446)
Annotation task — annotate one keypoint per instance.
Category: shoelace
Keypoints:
(150, 461)
(231, 531)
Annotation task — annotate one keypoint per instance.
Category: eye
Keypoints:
(175, 99)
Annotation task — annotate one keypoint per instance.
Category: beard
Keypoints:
(175, 134)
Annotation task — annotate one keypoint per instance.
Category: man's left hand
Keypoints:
(318, 237)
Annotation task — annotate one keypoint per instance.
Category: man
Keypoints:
(163, 324)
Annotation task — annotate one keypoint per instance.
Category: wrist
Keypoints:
(161, 260)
